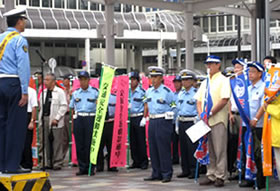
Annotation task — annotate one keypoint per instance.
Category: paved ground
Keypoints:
(132, 180)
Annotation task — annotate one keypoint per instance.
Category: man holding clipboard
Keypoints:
(220, 93)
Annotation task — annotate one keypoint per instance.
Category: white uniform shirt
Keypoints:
(32, 99)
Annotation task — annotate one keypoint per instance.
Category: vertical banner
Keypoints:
(101, 108)
(145, 82)
(118, 152)
(168, 81)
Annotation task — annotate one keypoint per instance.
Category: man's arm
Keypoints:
(219, 106)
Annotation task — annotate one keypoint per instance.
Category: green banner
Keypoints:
(101, 109)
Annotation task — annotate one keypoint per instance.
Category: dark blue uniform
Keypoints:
(160, 131)
(84, 104)
(137, 133)
(14, 80)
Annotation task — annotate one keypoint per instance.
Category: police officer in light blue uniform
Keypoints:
(159, 100)
(186, 106)
(84, 104)
(107, 136)
(14, 80)
(175, 138)
(137, 124)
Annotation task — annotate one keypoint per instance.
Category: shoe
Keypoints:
(46, 168)
(20, 170)
(144, 167)
(246, 184)
(175, 162)
(206, 182)
(57, 168)
(132, 167)
(81, 173)
(165, 180)
(114, 169)
(192, 176)
(219, 182)
(150, 178)
(236, 177)
(182, 175)
(260, 186)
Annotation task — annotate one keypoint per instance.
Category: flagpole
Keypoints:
(196, 171)
(70, 128)
(37, 120)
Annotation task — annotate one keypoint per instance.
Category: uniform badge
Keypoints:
(77, 99)
(25, 49)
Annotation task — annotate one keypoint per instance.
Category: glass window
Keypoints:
(213, 24)
(148, 9)
(205, 24)
(246, 23)
(229, 23)
(117, 7)
(272, 23)
(102, 7)
(59, 4)
(47, 3)
(34, 3)
(236, 23)
(94, 6)
(127, 8)
(83, 5)
(71, 4)
(221, 23)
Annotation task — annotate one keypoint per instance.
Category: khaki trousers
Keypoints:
(217, 145)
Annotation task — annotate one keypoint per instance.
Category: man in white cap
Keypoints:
(159, 102)
(14, 80)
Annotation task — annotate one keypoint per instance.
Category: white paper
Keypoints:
(198, 130)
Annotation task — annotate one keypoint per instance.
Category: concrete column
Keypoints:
(87, 54)
(267, 28)
(189, 59)
(169, 60)
(8, 6)
(178, 54)
(253, 38)
(138, 58)
(159, 47)
(109, 31)
(128, 58)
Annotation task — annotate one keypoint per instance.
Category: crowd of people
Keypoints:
(169, 114)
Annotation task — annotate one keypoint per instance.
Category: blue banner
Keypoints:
(239, 87)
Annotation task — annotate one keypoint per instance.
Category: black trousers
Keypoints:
(106, 140)
(83, 127)
(257, 134)
(175, 146)
(188, 162)
(12, 124)
(138, 143)
(26, 161)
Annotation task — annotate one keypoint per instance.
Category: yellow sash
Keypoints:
(5, 42)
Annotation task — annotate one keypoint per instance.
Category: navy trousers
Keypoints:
(12, 124)
(188, 162)
(83, 127)
(138, 143)
(160, 134)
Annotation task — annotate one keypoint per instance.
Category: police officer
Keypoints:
(158, 102)
(186, 106)
(84, 103)
(137, 124)
(14, 80)
(175, 138)
(107, 136)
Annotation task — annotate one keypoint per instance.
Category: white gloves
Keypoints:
(143, 122)
(177, 126)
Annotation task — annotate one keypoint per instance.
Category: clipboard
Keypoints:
(198, 130)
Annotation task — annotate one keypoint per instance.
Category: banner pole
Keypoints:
(128, 124)
(70, 128)
(37, 121)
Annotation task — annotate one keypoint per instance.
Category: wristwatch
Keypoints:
(255, 119)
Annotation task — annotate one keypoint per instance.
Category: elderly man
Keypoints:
(14, 80)
(217, 139)
(159, 102)
(55, 107)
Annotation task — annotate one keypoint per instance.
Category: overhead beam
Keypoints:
(234, 11)
(274, 4)
(204, 5)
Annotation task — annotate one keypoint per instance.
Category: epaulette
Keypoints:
(167, 89)
(195, 90)
(142, 89)
(94, 88)
(113, 94)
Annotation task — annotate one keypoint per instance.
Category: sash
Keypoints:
(4, 43)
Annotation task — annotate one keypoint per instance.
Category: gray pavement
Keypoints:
(132, 180)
